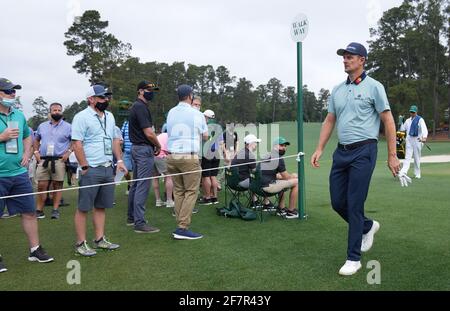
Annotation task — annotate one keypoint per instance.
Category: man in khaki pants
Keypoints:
(185, 125)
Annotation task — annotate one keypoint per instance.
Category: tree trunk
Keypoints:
(273, 111)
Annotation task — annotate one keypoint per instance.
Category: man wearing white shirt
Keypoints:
(416, 135)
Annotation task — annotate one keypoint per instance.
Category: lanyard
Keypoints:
(101, 124)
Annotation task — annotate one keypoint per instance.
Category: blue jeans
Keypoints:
(349, 184)
(143, 160)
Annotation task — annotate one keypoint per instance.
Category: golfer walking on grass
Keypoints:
(356, 107)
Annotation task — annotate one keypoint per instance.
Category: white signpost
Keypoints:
(299, 28)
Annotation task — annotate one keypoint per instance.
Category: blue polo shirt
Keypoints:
(57, 134)
(357, 107)
(10, 162)
(185, 125)
(90, 129)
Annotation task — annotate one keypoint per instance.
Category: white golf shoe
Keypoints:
(367, 239)
(350, 267)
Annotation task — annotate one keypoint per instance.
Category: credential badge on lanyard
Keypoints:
(107, 141)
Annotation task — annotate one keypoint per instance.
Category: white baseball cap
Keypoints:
(97, 90)
(209, 113)
(249, 139)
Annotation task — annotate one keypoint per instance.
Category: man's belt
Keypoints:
(52, 161)
(357, 144)
(183, 153)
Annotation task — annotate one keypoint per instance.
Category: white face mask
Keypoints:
(196, 108)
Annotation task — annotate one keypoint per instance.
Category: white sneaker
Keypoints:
(367, 239)
(159, 203)
(417, 177)
(170, 204)
(350, 267)
(127, 192)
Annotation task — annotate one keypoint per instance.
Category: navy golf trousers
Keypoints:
(349, 184)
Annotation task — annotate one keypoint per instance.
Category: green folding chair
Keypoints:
(257, 189)
(242, 195)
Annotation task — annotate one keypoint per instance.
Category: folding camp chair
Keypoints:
(242, 195)
(257, 189)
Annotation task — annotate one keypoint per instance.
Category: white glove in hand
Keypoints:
(404, 179)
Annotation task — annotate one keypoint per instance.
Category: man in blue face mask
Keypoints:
(15, 147)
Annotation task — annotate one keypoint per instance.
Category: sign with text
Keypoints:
(299, 28)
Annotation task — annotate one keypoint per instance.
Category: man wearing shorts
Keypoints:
(15, 147)
(275, 178)
(94, 142)
(52, 149)
(211, 160)
(161, 169)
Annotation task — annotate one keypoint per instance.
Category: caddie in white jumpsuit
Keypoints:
(416, 135)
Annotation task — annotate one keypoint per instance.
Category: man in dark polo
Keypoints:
(145, 146)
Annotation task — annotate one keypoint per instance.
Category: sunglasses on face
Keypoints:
(102, 97)
(9, 92)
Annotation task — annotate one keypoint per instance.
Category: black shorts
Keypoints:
(210, 164)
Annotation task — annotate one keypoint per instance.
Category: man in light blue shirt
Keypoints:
(94, 142)
(356, 107)
(185, 126)
(52, 149)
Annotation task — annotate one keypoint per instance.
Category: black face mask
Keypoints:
(102, 106)
(149, 96)
(56, 116)
(281, 152)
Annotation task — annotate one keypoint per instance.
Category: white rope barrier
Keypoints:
(297, 156)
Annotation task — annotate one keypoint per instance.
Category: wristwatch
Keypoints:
(84, 167)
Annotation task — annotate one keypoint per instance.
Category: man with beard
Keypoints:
(94, 142)
(52, 149)
(275, 178)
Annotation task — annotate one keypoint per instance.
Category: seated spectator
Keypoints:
(275, 178)
(246, 155)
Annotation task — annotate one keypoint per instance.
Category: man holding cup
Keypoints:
(15, 147)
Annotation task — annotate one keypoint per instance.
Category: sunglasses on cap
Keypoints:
(9, 92)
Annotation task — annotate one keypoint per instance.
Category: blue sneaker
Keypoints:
(185, 234)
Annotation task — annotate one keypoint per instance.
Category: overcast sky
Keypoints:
(250, 38)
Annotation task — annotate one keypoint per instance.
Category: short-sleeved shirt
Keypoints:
(163, 139)
(185, 125)
(244, 156)
(140, 118)
(10, 162)
(270, 169)
(58, 134)
(126, 137)
(90, 129)
(118, 133)
(357, 107)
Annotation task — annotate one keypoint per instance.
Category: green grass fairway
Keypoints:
(412, 246)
